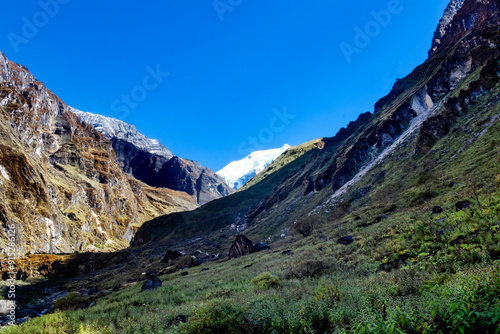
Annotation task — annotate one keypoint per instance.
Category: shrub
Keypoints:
(266, 281)
(340, 211)
(307, 268)
(327, 291)
(187, 261)
(217, 318)
(305, 226)
(69, 302)
(469, 303)
(497, 179)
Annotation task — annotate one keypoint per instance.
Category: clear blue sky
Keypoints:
(225, 76)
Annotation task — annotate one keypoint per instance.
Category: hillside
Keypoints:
(390, 226)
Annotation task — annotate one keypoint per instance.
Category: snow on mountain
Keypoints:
(237, 173)
(114, 128)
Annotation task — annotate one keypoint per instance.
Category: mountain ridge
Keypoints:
(151, 162)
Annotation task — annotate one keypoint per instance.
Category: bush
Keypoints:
(305, 226)
(307, 268)
(266, 281)
(69, 302)
(469, 303)
(217, 318)
(327, 291)
(497, 179)
(340, 211)
(187, 261)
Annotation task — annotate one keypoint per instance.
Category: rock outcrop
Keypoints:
(444, 24)
(152, 282)
(61, 186)
(152, 163)
(462, 19)
(241, 246)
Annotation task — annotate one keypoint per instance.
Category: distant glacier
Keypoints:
(237, 173)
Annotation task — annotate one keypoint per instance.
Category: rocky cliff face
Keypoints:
(61, 186)
(420, 109)
(151, 162)
(470, 16)
(444, 24)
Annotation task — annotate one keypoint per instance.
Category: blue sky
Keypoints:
(214, 80)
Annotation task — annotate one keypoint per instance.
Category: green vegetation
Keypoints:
(305, 226)
(68, 302)
(448, 283)
(265, 281)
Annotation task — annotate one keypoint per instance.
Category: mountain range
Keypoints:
(390, 226)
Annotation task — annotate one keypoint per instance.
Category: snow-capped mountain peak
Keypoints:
(237, 173)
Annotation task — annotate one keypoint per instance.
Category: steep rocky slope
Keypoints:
(316, 177)
(151, 162)
(444, 24)
(61, 186)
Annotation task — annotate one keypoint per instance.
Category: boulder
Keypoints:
(437, 210)
(462, 205)
(152, 282)
(197, 253)
(347, 240)
(260, 246)
(241, 246)
(171, 256)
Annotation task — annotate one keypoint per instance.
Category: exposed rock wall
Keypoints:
(61, 185)
(444, 24)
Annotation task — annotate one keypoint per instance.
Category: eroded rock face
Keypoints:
(61, 186)
(152, 163)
